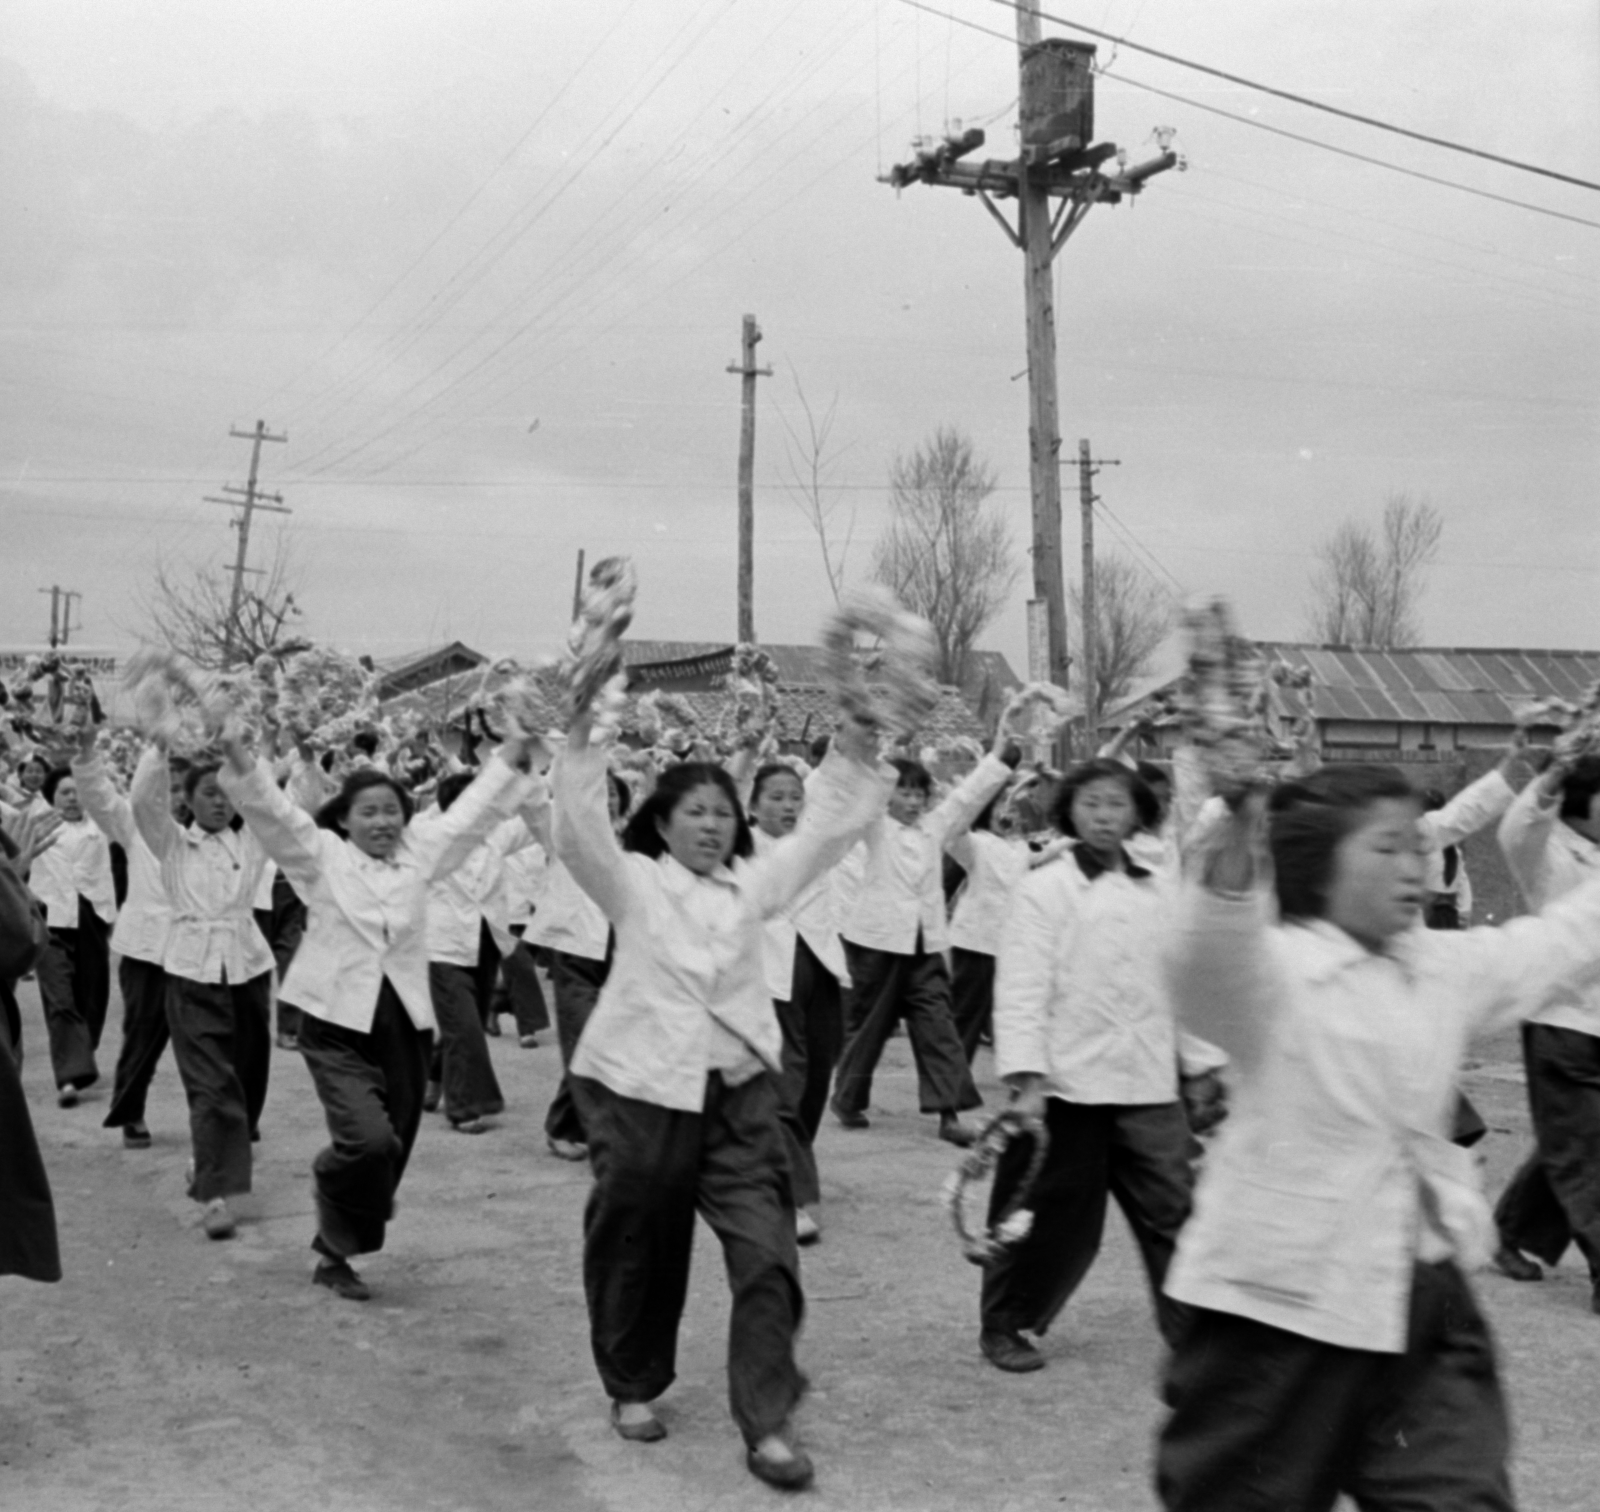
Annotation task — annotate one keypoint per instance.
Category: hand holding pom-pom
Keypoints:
(892, 686)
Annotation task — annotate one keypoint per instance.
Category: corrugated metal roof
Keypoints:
(1429, 684)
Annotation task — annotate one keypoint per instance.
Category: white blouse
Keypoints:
(77, 865)
(145, 916)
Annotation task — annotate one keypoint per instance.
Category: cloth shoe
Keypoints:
(67, 1097)
(1510, 1261)
(528, 1041)
(645, 1429)
(806, 1230)
(1006, 1349)
(432, 1096)
(218, 1221)
(568, 1149)
(470, 1126)
(851, 1120)
(780, 1464)
(491, 1025)
(135, 1136)
(341, 1280)
(953, 1131)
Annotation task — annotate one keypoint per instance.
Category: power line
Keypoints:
(1310, 104)
(1139, 546)
(1295, 136)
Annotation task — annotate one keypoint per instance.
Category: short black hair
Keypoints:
(619, 786)
(194, 775)
(769, 773)
(365, 741)
(643, 833)
(1308, 818)
(452, 787)
(53, 778)
(911, 774)
(1146, 808)
(818, 749)
(332, 814)
(1579, 786)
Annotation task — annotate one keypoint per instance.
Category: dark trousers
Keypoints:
(144, 1037)
(654, 1168)
(370, 1086)
(28, 1245)
(460, 1059)
(519, 993)
(972, 979)
(74, 973)
(576, 982)
(813, 1034)
(222, 1042)
(284, 926)
(1554, 1199)
(1268, 1421)
(1138, 1155)
(885, 988)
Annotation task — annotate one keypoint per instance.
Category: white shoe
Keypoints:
(806, 1229)
(218, 1222)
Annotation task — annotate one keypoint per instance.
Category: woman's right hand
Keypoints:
(1027, 1093)
(233, 746)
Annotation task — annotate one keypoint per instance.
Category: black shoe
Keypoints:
(432, 1096)
(794, 1472)
(337, 1276)
(1006, 1349)
(1512, 1262)
(135, 1136)
(851, 1120)
(492, 1026)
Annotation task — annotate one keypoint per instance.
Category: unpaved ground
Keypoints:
(170, 1374)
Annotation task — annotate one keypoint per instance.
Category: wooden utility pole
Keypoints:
(247, 499)
(61, 614)
(749, 372)
(1087, 467)
(577, 587)
(1055, 162)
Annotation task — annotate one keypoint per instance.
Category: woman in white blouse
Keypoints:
(360, 977)
(73, 881)
(675, 1076)
(1335, 1345)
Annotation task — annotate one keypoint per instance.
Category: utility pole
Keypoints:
(1087, 467)
(1055, 161)
(61, 626)
(247, 499)
(749, 372)
(577, 588)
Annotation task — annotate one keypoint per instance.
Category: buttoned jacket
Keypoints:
(145, 917)
(474, 894)
(1549, 859)
(1335, 1172)
(995, 867)
(813, 916)
(77, 864)
(687, 972)
(366, 918)
(892, 886)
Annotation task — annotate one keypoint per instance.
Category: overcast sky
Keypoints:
(485, 263)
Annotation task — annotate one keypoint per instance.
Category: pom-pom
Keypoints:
(592, 667)
(890, 687)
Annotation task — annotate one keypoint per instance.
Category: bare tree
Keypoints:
(190, 610)
(1368, 585)
(1132, 616)
(810, 455)
(945, 554)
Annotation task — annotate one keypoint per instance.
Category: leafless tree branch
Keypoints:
(1368, 584)
(189, 610)
(810, 456)
(1133, 615)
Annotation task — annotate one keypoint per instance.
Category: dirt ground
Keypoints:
(168, 1373)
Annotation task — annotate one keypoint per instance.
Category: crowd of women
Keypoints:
(1226, 1014)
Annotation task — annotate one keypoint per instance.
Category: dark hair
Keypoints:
(643, 833)
(1145, 807)
(985, 819)
(818, 749)
(33, 758)
(1579, 786)
(1307, 820)
(619, 786)
(771, 771)
(193, 776)
(336, 810)
(1431, 800)
(53, 778)
(911, 774)
(452, 787)
(365, 741)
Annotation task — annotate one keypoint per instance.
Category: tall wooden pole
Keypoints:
(1091, 684)
(748, 370)
(1044, 435)
(249, 499)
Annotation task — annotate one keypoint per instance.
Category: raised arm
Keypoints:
(495, 793)
(1524, 836)
(286, 831)
(101, 801)
(965, 801)
(582, 835)
(151, 795)
(1478, 804)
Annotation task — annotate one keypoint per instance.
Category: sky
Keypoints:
(485, 264)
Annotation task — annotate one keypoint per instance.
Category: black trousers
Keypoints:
(654, 1168)
(370, 1086)
(1139, 1156)
(28, 1244)
(284, 926)
(1268, 1421)
(222, 1042)
(74, 973)
(460, 1059)
(519, 992)
(812, 1022)
(1554, 1198)
(576, 982)
(144, 1037)
(973, 996)
(885, 988)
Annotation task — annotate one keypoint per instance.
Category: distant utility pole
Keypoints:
(1055, 161)
(1087, 467)
(247, 499)
(61, 626)
(748, 370)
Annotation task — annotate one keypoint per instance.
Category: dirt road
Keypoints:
(168, 1373)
